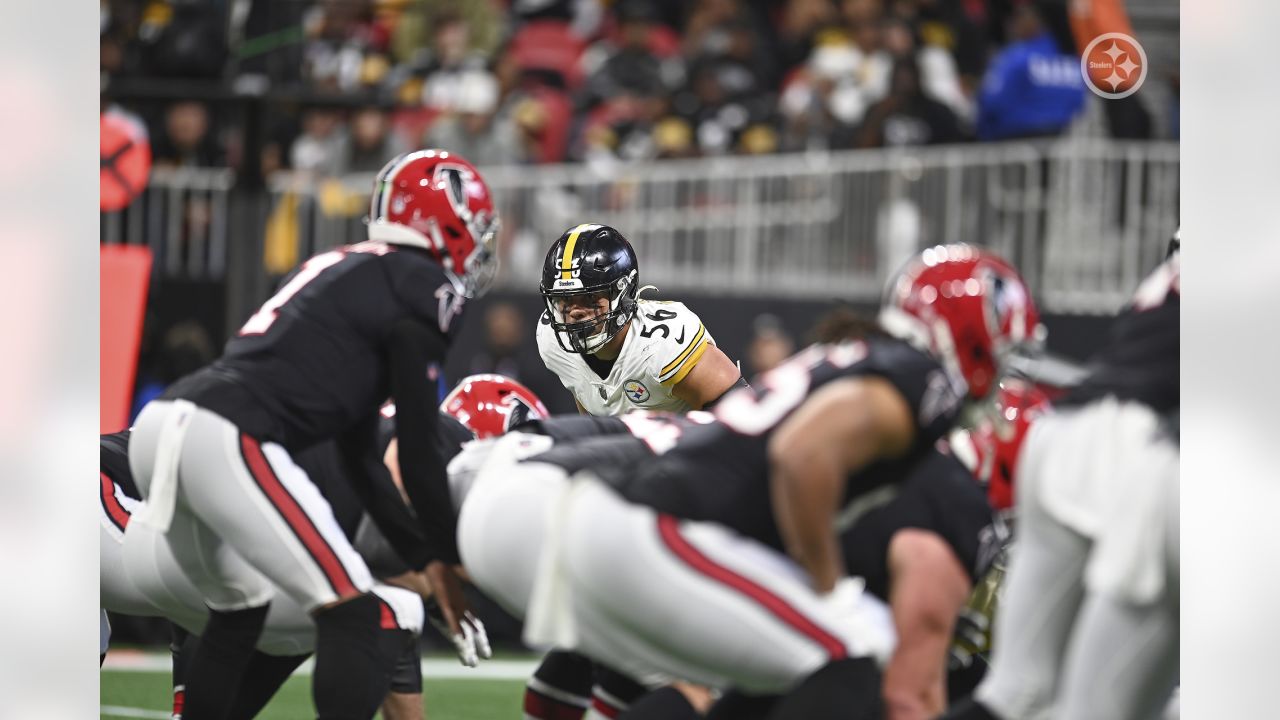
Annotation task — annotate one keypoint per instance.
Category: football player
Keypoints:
(613, 350)
(750, 560)
(480, 406)
(1088, 624)
(990, 451)
(288, 635)
(214, 455)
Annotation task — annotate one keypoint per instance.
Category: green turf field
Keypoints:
(147, 695)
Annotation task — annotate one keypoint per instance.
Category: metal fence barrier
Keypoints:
(1082, 219)
(183, 216)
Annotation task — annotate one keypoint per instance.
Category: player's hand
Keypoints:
(451, 615)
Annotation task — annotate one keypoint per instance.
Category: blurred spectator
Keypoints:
(185, 348)
(507, 352)
(452, 64)
(727, 91)
(936, 67)
(1032, 88)
(372, 142)
(474, 128)
(347, 48)
(908, 117)
(769, 345)
(638, 61)
(322, 148)
(190, 38)
(802, 22)
(417, 24)
(187, 140)
(847, 71)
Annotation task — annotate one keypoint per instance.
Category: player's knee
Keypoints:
(241, 627)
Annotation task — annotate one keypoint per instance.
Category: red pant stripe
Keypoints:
(111, 503)
(296, 518)
(669, 530)
(537, 705)
(387, 620)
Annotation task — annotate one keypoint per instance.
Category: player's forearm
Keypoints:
(804, 508)
(914, 680)
(422, 469)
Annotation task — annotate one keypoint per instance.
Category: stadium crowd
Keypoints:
(544, 81)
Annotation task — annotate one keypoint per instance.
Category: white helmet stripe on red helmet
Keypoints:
(378, 208)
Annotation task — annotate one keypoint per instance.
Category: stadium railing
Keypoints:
(184, 216)
(1082, 219)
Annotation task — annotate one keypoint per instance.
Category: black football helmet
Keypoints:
(590, 260)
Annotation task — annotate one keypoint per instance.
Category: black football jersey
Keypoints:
(568, 428)
(715, 467)
(1140, 362)
(939, 494)
(312, 362)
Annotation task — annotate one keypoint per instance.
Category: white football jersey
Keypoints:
(665, 341)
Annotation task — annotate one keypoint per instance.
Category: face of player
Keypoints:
(583, 308)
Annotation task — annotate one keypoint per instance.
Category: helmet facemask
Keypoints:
(589, 336)
(481, 266)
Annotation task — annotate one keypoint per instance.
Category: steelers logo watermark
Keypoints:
(1114, 65)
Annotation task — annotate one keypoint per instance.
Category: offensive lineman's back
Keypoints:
(719, 471)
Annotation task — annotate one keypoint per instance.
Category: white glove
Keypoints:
(472, 645)
(861, 620)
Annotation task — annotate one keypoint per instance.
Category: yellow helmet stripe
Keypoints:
(566, 261)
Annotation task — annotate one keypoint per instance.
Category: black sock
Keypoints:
(216, 667)
(352, 673)
(662, 704)
(969, 709)
(846, 689)
(182, 645)
(263, 676)
(738, 706)
(560, 688)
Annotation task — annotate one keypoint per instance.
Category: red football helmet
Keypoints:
(996, 442)
(490, 405)
(438, 201)
(967, 307)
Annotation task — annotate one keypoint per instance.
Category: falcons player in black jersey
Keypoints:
(480, 406)
(1088, 623)
(213, 456)
(723, 545)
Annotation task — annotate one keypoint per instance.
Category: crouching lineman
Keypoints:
(163, 590)
(481, 406)
(716, 561)
(615, 352)
(214, 455)
(1088, 624)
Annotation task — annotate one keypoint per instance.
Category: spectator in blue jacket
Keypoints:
(1032, 88)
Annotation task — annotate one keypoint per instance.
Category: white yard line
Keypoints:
(131, 712)
(432, 668)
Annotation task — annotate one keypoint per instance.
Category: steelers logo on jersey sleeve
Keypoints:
(636, 391)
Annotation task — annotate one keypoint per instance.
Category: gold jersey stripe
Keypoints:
(688, 366)
(697, 338)
(566, 261)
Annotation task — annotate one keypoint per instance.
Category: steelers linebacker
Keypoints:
(614, 350)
